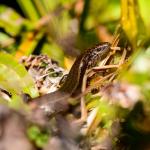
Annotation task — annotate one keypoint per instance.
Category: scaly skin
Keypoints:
(57, 101)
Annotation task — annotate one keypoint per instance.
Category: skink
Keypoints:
(57, 101)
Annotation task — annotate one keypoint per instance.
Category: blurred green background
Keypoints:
(64, 28)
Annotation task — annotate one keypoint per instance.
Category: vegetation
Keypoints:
(116, 92)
